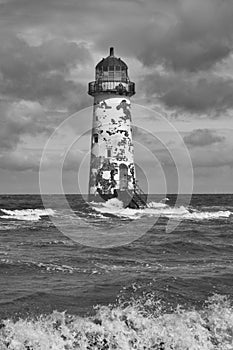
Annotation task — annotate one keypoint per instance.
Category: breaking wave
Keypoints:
(26, 214)
(139, 324)
(115, 207)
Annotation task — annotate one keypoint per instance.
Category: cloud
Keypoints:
(41, 73)
(213, 158)
(202, 137)
(191, 40)
(199, 93)
(195, 36)
(20, 161)
(35, 82)
(187, 35)
(23, 159)
(21, 118)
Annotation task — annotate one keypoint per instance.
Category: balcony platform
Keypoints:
(113, 87)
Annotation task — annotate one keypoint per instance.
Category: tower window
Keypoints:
(117, 75)
(105, 75)
(123, 75)
(95, 138)
(111, 75)
(109, 153)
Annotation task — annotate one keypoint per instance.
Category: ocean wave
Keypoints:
(208, 215)
(140, 324)
(50, 267)
(4, 227)
(158, 209)
(137, 267)
(41, 244)
(43, 266)
(26, 214)
(115, 207)
(47, 243)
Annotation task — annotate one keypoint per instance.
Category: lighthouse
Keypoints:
(112, 168)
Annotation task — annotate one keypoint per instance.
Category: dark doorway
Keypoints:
(123, 176)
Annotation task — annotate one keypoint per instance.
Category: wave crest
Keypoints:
(158, 209)
(26, 214)
(126, 328)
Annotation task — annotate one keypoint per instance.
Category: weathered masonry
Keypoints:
(112, 169)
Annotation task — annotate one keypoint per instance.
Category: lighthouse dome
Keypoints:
(111, 60)
(111, 68)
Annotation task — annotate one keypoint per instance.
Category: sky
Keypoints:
(179, 54)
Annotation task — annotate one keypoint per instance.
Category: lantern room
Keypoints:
(111, 75)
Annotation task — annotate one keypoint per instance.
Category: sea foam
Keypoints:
(26, 214)
(158, 209)
(134, 326)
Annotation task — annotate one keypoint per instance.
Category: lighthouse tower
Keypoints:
(112, 169)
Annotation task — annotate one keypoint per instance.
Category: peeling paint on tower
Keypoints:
(112, 170)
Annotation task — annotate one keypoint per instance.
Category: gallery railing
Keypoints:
(116, 87)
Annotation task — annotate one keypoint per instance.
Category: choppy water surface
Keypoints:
(166, 287)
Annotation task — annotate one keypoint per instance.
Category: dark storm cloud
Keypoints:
(202, 137)
(182, 34)
(193, 93)
(34, 79)
(200, 35)
(186, 36)
(38, 73)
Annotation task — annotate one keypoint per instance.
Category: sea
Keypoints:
(164, 288)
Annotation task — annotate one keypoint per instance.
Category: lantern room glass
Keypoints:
(112, 73)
